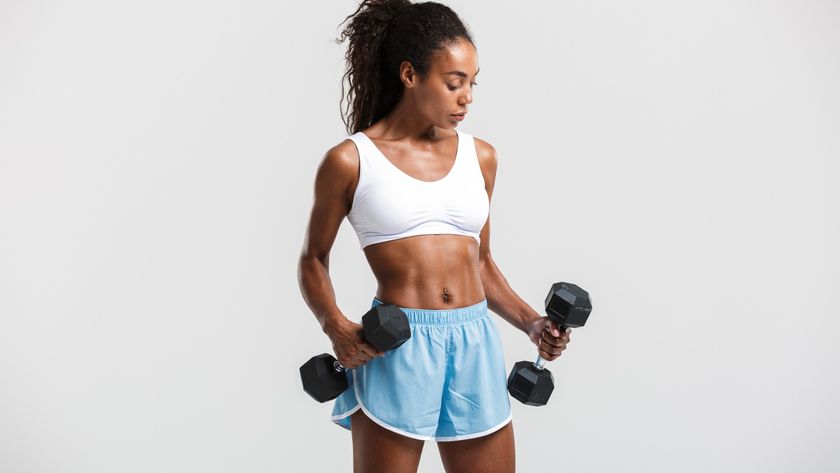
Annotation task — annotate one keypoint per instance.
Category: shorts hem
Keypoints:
(359, 405)
(338, 417)
(477, 434)
(404, 433)
(382, 423)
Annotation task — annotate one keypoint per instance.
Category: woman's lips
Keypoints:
(458, 117)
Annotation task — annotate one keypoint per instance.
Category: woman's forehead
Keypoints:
(459, 59)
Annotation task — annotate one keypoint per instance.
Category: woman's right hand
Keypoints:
(349, 344)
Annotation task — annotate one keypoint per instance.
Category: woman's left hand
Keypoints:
(548, 338)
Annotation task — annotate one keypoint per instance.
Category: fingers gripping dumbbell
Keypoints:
(567, 305)
(385, 327)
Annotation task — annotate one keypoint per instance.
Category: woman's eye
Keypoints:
(458, 87)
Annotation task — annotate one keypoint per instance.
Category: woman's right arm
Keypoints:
(335, 177)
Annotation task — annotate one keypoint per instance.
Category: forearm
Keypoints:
(317, 290)
(502, 300)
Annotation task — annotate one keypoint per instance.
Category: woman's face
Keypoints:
(448, 89)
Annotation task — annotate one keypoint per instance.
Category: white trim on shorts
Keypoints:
(339, 417)
(360, 405)
(477, 434)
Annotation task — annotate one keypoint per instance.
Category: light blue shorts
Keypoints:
(447, 382)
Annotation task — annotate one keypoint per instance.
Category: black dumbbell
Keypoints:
(385, 327)
(567, 305)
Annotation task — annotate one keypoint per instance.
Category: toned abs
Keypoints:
(427, 271)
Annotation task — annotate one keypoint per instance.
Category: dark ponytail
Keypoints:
(382, 34)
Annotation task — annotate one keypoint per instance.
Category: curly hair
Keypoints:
(383, 34)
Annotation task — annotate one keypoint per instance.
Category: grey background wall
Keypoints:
(677, 159)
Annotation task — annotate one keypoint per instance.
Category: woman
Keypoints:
(417, 192)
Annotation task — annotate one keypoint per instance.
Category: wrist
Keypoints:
(528, 321)
(332, 322)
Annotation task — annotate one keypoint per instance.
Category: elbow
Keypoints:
(308, 257)
(485, 260)
(311, 271)
(486, 267)
(310, 265)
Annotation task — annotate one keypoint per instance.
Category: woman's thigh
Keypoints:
(492, 453)
(376, 449)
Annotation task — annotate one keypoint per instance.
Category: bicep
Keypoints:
(333, 179)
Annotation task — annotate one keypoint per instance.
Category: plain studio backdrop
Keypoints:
(679, 160)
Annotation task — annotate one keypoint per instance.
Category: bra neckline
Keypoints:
(458, 136)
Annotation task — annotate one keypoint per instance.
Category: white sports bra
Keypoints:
(389, 204)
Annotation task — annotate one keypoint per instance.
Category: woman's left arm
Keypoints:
(501, 298)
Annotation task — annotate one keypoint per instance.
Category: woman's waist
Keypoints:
(453, 316)
(437, 294)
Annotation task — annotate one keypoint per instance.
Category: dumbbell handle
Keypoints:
(338, 367)
(540, 363)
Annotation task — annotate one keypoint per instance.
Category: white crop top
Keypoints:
(389, 204)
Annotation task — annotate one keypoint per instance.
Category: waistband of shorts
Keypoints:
(454, 316)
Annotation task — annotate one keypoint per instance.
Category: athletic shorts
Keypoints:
(447, 382)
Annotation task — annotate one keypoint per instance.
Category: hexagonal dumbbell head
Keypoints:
(529, 384)
(386, 327)
(567, 305)
(323, 377)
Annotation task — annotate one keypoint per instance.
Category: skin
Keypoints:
(426, 271)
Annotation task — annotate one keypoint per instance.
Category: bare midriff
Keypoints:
(427, 271)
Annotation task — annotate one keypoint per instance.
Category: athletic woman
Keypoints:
(417, 192)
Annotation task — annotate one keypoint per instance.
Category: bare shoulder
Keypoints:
(342, 158)
(487, 159)
(338, 171)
